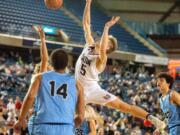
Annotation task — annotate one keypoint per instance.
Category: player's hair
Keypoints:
(115, 44)
(168, 79)
(59, 59)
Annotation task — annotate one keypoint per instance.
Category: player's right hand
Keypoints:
(113, 21)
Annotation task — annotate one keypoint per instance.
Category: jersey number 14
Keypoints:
(61, 91)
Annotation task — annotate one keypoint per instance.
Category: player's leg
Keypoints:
(127, 108)
(135, 111)
(99, 96)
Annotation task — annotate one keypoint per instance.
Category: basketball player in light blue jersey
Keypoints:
(58, 96)
(170, 103)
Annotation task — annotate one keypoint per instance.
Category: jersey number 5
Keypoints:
(62, 90)
(83, 70)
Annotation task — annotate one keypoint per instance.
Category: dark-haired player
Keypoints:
(57, 97)
(170, 103)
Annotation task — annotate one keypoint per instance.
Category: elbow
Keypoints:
(86, 24)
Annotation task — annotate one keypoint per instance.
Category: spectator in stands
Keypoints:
(18, 105)
(136, 131)
(11, 105)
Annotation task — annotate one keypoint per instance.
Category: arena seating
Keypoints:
(126, 41)
(151, 28)
(17, 17)
(21, 15)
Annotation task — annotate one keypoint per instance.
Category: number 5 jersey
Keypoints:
(86, 65)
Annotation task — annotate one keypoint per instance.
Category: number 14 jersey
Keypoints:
(56, 99)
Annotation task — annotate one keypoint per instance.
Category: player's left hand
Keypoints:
(113, 20)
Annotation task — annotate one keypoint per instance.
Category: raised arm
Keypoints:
(28, 101)
(104, 43)
(80, 107)
(86, 23)
(43, 50)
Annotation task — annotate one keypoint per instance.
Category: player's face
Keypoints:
(162, 85)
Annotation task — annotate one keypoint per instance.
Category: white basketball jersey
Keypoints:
(86, 65)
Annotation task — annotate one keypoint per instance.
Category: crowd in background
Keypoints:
(137, 88)
(15, 76)
(133, 86)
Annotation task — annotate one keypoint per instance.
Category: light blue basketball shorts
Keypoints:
(51, 129)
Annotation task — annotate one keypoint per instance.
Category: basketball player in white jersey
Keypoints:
(92, 62)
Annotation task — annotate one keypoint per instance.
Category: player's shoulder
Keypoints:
(174, 93)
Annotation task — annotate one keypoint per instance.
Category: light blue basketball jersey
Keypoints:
(56, 99)
(171, 111)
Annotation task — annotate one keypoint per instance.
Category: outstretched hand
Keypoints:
(40, 31)
(113, 21)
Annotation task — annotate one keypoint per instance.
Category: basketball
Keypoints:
(53, 4)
